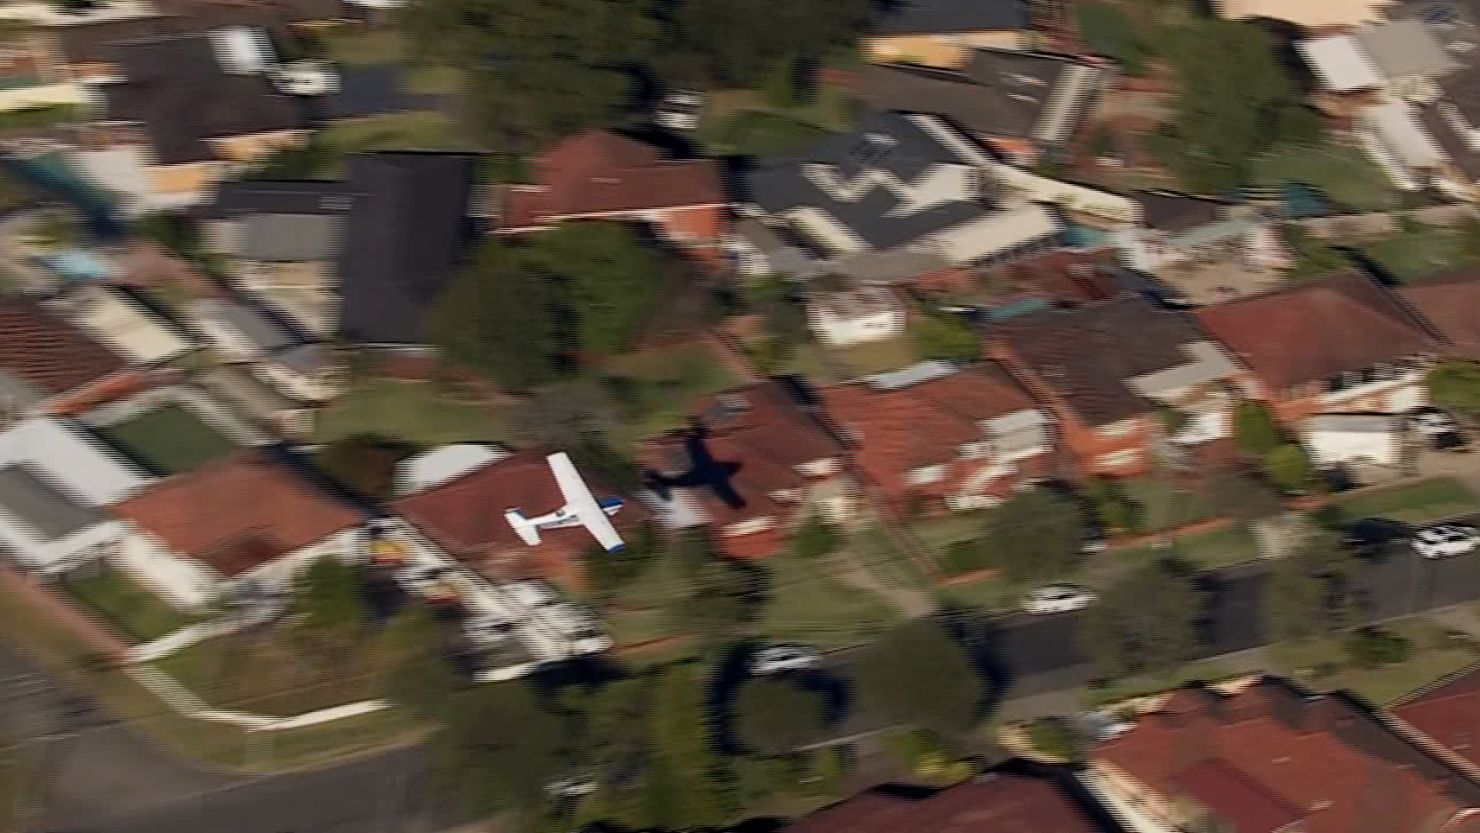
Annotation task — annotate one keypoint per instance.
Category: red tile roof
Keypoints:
(47, 352)
(997, 803)
(1235, 798)
(598, 173)
(239, 512)
(1322, 756)
(1449, 715)
(1070, 277)
(1316, 330)
(1451, 305)
(897, 431)
(465, 516)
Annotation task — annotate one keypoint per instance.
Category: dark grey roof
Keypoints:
(261, 328)
(1462, 89)
(407, 236)
(236, 198)
(286, 238)
(1173, 212)
(1465, 158)
(41, 506)
(886, 141)
(178, 91)
(925, 16)
(373, 90)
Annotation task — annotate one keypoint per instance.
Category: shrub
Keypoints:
(966, 557)
(1056, 738)
(1374, 647)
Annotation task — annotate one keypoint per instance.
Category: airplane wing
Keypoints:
(580, 501)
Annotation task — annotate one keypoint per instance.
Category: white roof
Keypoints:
(125, 326)
(1353, 423)
(432, 468)
(82, 466)
(1400, 132)
(1404, 48)
(994, 233)
(1341, 64)
(1308, 13)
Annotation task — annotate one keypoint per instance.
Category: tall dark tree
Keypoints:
(1036, 535)
(774, 716)
(917, 673)
(1146, 622)
(500, 747)
(503, 319)
(1311, 592)
(608, 277)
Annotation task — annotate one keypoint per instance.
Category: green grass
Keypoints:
(46, 115)
(810, 605)
(660, 385)
(1163, 506)
(1426, 500)
(1115, 691)
(168, 440)
(1109, 30)
(1344, 174)
(1205, 550)
(360, 45)
(760, 134)
(413, 411)
(412, 130)
(1423, 252)
(434, 80)
(1432, 658)
(127, 605)
(743, 122)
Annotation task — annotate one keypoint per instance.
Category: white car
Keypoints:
(1058, 598)
(1446, 540)
(680, 111)
(1432, 422)
(778, 659)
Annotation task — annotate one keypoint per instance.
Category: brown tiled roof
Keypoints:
(1065, 276)
(1235, 798)
(1450, 303)
(465, 516)
(47, 352)
(1321, 755)
(1172, 212)
(1449, 715)
(1316, 330)
(238, 512)
(599, 172)
(896, 431)
(999, 802)
(1086, 354)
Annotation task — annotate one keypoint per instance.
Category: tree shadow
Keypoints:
(981, 636)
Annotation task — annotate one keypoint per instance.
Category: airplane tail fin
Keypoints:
(522, 527)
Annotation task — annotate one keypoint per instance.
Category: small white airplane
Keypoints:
(580, 509)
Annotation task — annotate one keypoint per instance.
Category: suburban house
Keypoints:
(1063, 277)
(1347, 439)
(184, 112)
(56, 482)
(464, 516)
(252, 398)
(1441, 719)
(1323, 15)
(1110, 372)
(599, 175)
(943, 33)
(281, 241)
(1450, 306)
(1270, 758)
(856, 316)
(781, 467)
(900, 183)
(1179, 230)
(254, 519)
(1021, 104)
(436, 466)
(757, 250)
(933, 435)
(256, 337)
(49, 365)
(1341, 344)
(1401, 59)
(1013, 797)
(409, 231)
(120, 318)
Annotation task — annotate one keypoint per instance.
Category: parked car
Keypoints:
(1058, 598)
(1369, 535)
(779, 659)
(1446, 540)
(1430, 422)
(680, 110)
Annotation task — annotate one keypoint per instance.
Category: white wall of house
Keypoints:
(842, 331)
(1331, 443)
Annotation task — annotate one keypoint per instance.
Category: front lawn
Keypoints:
(168, 440)
(416, 412)
(126, 605)
(1426, 500)
(810, 603)
(1165, 506)
(411, 130)
(1411, 256)
(759, 134)
(657, 387)
(743, 122)
(1218, 548)
(1323, 663)
(1343, 173)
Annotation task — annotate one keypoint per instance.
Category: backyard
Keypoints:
(123, 603)
(1342, 172)
(811, 603)
(1425, 500)
(656, 387)
(416, 412)
(741, 122)
(168, 440)
(813, 359)
(1411, 255)
(1435, 653)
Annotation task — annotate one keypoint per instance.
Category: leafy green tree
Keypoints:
(1469, 236)
(1313, 257)
(814, 538)
(1036, 535)
(502, 319)
(425, 683)
(499, 748)
(774, 716)
(1312, 591)
(1243, 497)
(608, 277)
(1057, 738)
(783, 83)
(330, 597)
(1255, 428)
(1229, 110)
(732, 43)
(609, 572)
(1289, 468)
(1146, 622)
(943, 336)
(917, 673)
(687, 782)
(724, 598)
(1113, 508)
(1455, 384)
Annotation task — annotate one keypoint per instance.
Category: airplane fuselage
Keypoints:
(564, 516)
